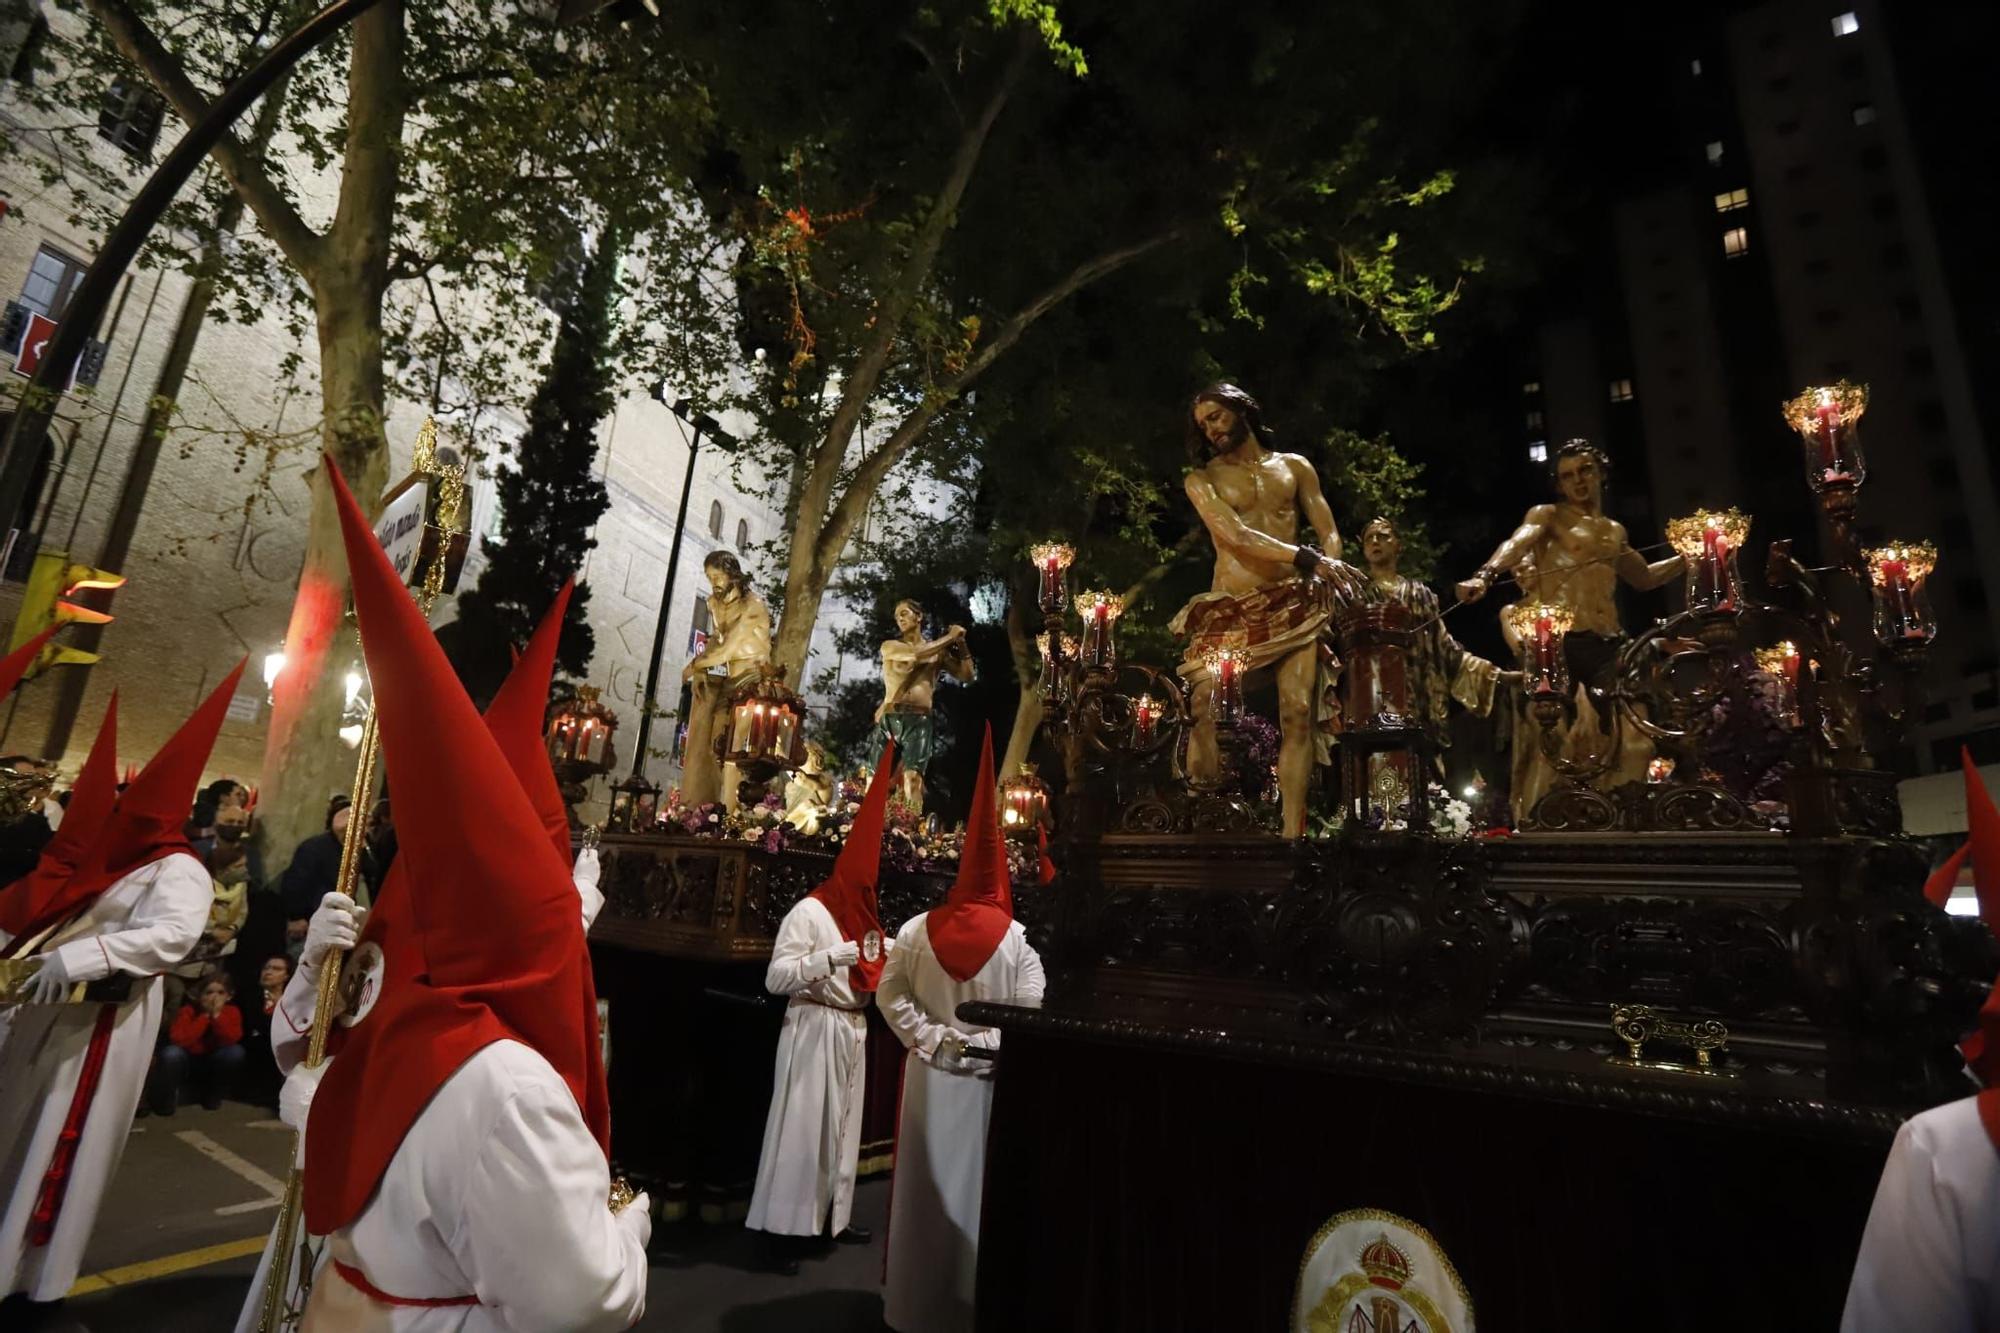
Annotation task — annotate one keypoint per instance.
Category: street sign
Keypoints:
(400, 529)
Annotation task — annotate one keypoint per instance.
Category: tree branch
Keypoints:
(895, 307)
(873, 469)
(275, 213)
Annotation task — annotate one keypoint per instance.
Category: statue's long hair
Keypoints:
(1236, 400)
(739, 582)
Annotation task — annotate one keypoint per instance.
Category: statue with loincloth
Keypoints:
(1571, 554)
(740, 644)
(1272, 598)
(911, 665)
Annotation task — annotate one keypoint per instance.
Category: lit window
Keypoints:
(1736, 242)
(1731, 200)
(1864, 114)
(1846, 25)
(1621, 391)
(1694, 67)
(1538, 452)
(1532, 386)
(1715, 154)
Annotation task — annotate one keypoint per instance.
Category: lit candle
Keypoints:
(1712, 575)
(1227, 667)
(1895, 579)
(1828, 414)
(1545, 652)
(1051, 560)
(1145, 722)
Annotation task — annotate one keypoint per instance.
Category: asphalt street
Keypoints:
(196, 1193)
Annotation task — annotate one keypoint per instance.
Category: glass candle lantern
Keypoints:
(1145, 722)
(1783, 662)
(1054, 684)
(1100, 611)
(1023, 799)
(1225, 669)
(1538, 630)
(1828, 420)
(1897, 575)
(1708, 540)
(1052, 562)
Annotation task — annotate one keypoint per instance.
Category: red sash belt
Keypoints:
(359, 1281)
(55, 1181)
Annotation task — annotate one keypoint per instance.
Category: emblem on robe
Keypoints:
(871, 946)
(1370, 1271)
(361, 983)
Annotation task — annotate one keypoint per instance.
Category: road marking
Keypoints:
(222, 1157)
(168, 1266)
(254, 1205)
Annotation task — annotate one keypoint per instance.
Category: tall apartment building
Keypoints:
(1784, 239)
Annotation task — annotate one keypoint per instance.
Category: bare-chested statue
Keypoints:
(910, 667)
(741, 644)
(1570, 554)
(1272, 597)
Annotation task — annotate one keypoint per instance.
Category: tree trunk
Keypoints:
(1028, 671)
(304, 762)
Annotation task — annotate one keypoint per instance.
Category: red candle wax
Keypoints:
(1545, 655)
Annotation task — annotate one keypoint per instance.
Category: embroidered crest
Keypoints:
(871, 946)
(360, 983)
(1369, 1271)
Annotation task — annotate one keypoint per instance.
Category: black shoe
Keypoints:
(781, 1256)
(143, 1111)
(854, 1235)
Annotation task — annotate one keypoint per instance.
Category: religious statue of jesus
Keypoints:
(1272, 597)
(1571, 554)
(910, 667)
(741, 645)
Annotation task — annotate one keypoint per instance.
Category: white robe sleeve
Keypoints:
(897, 998)
(797, 960)
(543, 1249)
(1029, 984)
(292, 1020)
(165, 925)
(1915, 1270)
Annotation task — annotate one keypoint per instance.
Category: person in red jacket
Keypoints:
(206, 1040)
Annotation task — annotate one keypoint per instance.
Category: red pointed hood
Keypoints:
(974, 919)
(483, 938)
(849, 893)
(15, 664)
(149, 820)
(35, 900)
(515, 720)
(1982, 1049)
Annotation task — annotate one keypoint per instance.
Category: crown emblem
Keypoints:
(1385, 1265)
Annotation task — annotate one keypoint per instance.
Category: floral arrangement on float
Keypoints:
(910, 843)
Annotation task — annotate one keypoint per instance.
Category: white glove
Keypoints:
(586, 873)
(51, 981)
(637, 1218)
(844, 954)
(295, 1099)
(336, 924)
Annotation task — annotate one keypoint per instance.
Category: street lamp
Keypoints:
(702, 424)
